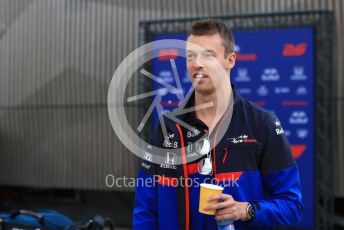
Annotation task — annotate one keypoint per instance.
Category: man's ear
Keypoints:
(231, 60)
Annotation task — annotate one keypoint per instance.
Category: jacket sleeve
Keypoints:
(282, 205)
(145, 215)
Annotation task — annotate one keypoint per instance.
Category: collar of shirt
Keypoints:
(191, 118)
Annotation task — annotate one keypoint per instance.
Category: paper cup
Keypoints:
(206, 191)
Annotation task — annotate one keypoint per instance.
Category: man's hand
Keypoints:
(228, 209)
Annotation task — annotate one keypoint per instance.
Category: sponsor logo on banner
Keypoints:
(244, 56)
(176, 91)
(260, 103)
(169, 103)
(166, 76)
(287, 132)
(162, 91)
(186, 78)
(167, 54)
(298, 74)
(270, 74)
(300, 103)
(301, 90)
(242, 75)
(298, 117)
(236, 48)
(262, 90)
(244, 90)
(302, 133)
(282, 90)
(294, 50)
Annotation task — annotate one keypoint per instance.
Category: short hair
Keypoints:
(211, 27)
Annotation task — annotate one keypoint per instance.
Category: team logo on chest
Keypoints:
(279, 129)
(242, 139)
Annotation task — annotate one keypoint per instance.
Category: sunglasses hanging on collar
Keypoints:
(205, 165)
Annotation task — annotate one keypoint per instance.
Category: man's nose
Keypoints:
(198, 63)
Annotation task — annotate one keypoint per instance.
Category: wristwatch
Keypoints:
(250, 211)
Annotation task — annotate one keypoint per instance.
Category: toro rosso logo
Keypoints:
(242, 139)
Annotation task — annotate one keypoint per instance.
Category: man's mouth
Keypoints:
(199, 75)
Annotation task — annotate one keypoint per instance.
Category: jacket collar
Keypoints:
(190, 117)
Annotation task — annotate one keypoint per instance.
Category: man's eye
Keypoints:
(208, 55)
(190, 56)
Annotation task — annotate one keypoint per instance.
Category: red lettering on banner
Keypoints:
(260, 103)
(294, 103)
(297, 150)
(168, 103)
(167, 54)
(246, 57)
(290, 49)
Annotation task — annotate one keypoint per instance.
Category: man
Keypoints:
(253, 156)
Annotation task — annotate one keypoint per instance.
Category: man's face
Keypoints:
(206, 62)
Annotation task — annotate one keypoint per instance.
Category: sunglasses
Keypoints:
(205, 165)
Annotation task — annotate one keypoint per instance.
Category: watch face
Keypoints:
(251, 211)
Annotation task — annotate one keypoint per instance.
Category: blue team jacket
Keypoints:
(252, 161)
